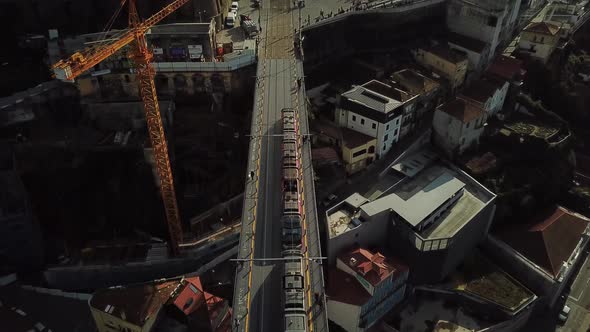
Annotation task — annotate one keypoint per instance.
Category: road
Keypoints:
(257, 290)
(579, 302)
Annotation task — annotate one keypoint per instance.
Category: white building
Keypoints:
(364, 287)
(491, 21)
(432, 216)
(375, 109)
(539, 40)
(489, 94)
(457, 126)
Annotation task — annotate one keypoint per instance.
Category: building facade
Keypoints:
(491, 21)
(539, 40)
(444, 61)
(457, 126)
(375, 109)
(358, 150)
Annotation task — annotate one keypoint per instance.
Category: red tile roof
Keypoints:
(352, 138)
(505, 67)
(324, 155)
(343, 287)
(462, 110)
(480, 90)
(543, 28)
(549, 240)
(190, 297)
(372, 267)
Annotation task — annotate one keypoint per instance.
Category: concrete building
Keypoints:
(432, 217)
(544, 252)
(491, 21)
(427, 90)
(444, 61)
(358, 150)
(539, 40)
(457, 126)
(477, 51)
(487, 93)
(375, 109)
(159, 306)
(363, 287)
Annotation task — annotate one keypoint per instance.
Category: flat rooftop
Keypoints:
(415, 202)
(340, 221)
(415, 195)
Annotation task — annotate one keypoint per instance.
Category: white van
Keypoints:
(230, 20)
(234, 7)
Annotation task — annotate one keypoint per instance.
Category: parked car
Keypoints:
(564, 314)
(329, 200)
(230, 20)
(234, 7)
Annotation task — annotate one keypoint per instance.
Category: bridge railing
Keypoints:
(237, 60)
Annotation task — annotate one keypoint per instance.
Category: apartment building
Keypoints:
(490, 21)
(159, 305)
(427, 90)
(363, 287)
(444, 61)
(375, 109)
(539, 40)
(488, 93)
(358, 150)
(457, 126)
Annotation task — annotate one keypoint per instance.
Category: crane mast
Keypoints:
(141, 57)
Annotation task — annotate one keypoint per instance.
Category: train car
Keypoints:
(291, 234)
(295, 318)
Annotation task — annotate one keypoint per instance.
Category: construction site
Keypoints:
(125, 157)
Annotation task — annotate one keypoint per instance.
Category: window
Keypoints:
(374, 126)
(467, 125)
(384, 147)
(371, 149)
(127, 80)
(354, 118)
(359, 153)
(385, 138)
(362, 121)
(395, 132)
(462, 140)
(542, 39)
(387, 127)
(397, 121)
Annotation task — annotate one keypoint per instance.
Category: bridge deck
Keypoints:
(257, 295)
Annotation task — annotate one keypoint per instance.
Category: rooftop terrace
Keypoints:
(483, 279)
(416, 195)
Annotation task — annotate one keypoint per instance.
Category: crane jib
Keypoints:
(82, 61)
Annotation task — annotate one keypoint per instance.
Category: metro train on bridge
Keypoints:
(295, 317)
